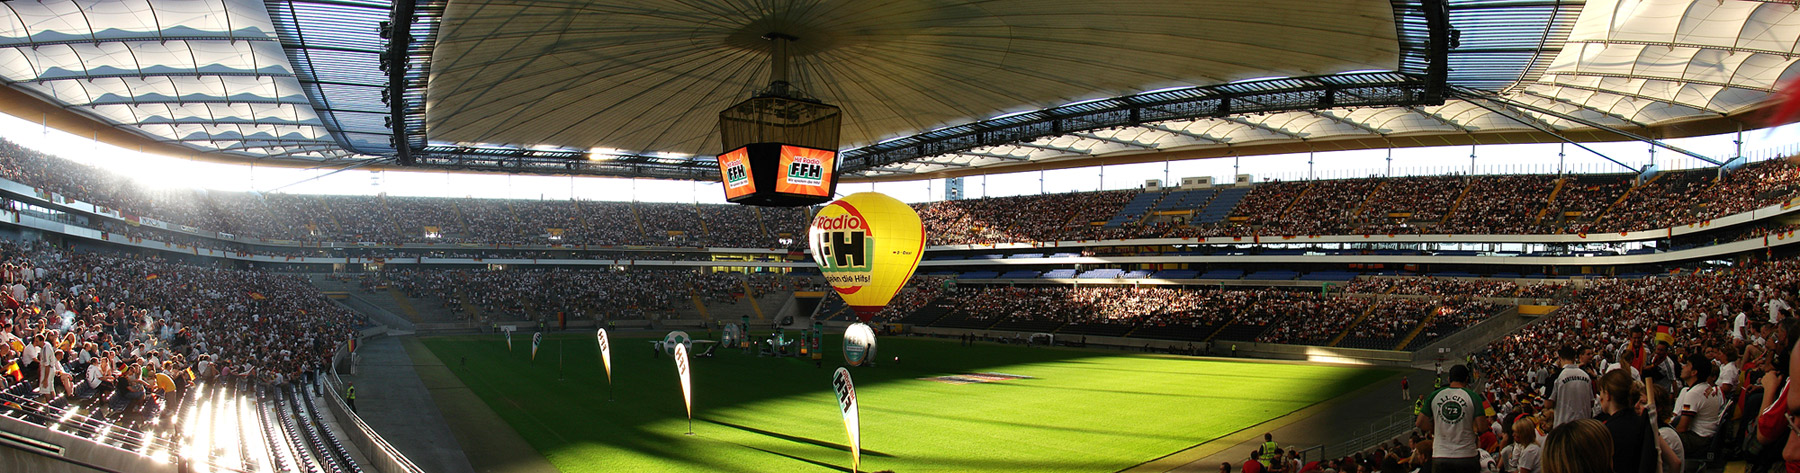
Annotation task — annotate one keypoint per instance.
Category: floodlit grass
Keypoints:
(1081, 410)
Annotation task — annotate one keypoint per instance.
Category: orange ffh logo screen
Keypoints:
(805, 171)
(734, 168)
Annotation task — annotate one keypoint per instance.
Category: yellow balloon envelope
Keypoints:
(867, 245)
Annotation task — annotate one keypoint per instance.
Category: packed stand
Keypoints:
(1494, 204)
(1263, 315)
(1000, 219)
(1713, 348)
(1500, 205)
(541, 294)
(110, 346)
(1432, 286)
(1426, 199)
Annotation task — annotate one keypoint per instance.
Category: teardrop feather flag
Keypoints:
(687, 396)
(846, 395)
(606, 355)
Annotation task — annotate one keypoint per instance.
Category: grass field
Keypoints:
(1080, 410)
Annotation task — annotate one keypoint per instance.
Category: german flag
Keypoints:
(151, 276)
(257, 295)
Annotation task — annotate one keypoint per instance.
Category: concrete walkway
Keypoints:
(491, 445)
(396, 403)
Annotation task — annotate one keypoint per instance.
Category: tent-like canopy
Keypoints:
(928, 88)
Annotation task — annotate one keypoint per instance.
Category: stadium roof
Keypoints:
(928, 89)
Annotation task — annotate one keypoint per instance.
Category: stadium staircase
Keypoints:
(1136, 210)
(1174, 332)
(353, 297)
(403, 304)
(474, 311)
(1367, 198)
(1359, 320)
(701, 217)
(1550, 202)
(1240, 332)
(1467, 186)
(698, 305)
(637, 220)
(1430, 315)
(1626, 196)
(1297, 198)
(1220, 207)
(761, 226)
(929, 315)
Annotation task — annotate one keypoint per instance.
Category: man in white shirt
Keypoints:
(1700, 406)
(1737, 325)
(1573, 391)
(1776, 305)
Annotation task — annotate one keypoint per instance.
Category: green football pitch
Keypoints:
(1073, 410)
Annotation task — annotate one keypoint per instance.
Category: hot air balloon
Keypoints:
(867, 245)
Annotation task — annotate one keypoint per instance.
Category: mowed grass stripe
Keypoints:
(1081, 410)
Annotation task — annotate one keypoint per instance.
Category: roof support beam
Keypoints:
(397, 62)
(1664, 79)
(1516, 104)
(1051, 148)
(1673, 44)
(1007, 157)
(1180, 132)
(1259, 126)
(1326, 114)
(1439, 119)
(1637, 96)
(1543, 127)
(153, 39)
(227, 121)
(1130, 143)
(1572, 103)
(254, 100)
(140, 75)
(953, 164)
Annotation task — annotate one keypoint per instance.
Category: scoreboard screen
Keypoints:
(735, 169)
(778, 175)
(806, 171)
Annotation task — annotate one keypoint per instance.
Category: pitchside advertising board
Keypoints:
(778, 175)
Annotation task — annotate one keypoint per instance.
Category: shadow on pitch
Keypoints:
(795, 438)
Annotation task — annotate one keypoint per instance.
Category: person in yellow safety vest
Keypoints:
(1268, 448)
(350, 395)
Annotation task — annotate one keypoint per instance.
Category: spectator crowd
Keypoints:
(1509, 204)
(90, 326)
